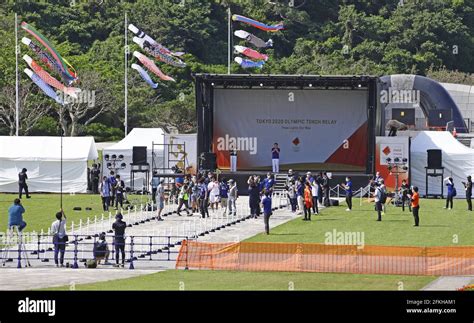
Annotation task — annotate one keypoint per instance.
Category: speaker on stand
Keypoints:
(434, 169)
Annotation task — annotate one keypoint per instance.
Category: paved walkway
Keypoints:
(449, 283)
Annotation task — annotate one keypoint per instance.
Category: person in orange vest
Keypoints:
(308, 202)
(415, 205)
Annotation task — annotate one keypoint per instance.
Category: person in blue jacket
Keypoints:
(451, 193)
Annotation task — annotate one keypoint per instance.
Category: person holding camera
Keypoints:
(405, 190)
(15, 215)
(58, 230)
(468, 188)
(119, 227)
(451, 192)
(119, 191)
(22, 177)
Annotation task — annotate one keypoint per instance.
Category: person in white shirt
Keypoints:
(213, 188)
(58, 230)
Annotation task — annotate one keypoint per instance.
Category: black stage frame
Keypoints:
(206, 83)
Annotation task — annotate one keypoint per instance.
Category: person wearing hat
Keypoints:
(119, 227)
(22, 177)
(468, 188)
(232, 203)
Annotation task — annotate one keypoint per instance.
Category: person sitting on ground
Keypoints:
(101, 250)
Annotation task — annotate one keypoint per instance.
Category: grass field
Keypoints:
(41, 208)
(438, 226)
(226, 280)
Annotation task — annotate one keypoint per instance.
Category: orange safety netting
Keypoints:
(305, 257)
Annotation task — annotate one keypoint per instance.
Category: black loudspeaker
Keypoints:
(139, 155)
(435, 158)
(439, 118)
(208, 161)
(406, 116)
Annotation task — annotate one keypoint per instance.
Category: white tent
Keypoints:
(136, 137)
(41, 156)
(458, 161)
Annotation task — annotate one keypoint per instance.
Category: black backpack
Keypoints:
(383, 196)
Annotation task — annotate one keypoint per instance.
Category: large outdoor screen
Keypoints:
(315, 129)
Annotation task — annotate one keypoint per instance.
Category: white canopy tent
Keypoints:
(136, 137)
(458, 161)
(41, 156)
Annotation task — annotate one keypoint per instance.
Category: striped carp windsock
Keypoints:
(47, 60)
(151, 66)
(48, 79)
(49, 91)
(254, 40)
(257, 24)
(153, 51)
(141, 34)
(246, 63)
(145, 75)
(250, 53)
(64, 64)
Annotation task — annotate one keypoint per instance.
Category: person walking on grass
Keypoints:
(267, 210)
(22, 186)
(415, 205)
(119, 227)
(348, 187)
(58, 230)
(451, 193)
(468, 188)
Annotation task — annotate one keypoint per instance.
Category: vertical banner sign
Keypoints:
(392, 147)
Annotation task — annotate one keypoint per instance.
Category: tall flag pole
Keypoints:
(17, 101)
(126, 75)
(229, 40)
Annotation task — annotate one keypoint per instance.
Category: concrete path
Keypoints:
(37, 278)
(449, 283)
